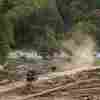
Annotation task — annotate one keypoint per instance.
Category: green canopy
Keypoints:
(97, 4)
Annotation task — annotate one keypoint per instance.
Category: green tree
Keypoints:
(98, 4)
(79, 38)
(41, 30)
(76, 9)
(10, 10)
(5, 30)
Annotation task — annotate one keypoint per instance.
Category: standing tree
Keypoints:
(5, 30)
(80, 41)
(40, 30)
(10, 10)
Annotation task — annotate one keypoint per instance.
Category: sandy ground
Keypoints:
(75, 83)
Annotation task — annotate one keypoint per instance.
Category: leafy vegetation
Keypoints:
(97, 4)
(39, 25)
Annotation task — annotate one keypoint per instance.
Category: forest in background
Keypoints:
(43, 25)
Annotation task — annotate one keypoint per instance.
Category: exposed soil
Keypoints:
(81, 83)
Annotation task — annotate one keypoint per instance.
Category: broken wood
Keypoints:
(57, 88)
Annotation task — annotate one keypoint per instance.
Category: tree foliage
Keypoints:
(98, 4)
(41, 30)
(32, 24)
(10, 10)
(75, 9)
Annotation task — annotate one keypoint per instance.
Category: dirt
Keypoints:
(77, 84)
